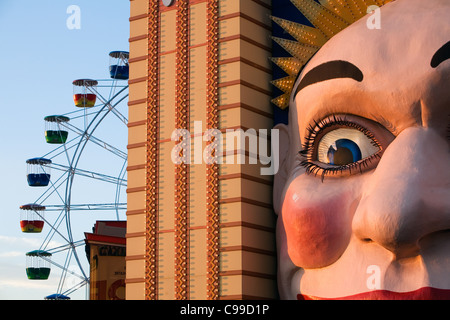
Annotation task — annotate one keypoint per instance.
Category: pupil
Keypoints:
(346, 152)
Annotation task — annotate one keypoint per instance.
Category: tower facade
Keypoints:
(199, 229)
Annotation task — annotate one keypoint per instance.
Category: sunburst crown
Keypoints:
(329, 17)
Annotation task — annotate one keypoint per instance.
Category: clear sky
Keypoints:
(40, 57)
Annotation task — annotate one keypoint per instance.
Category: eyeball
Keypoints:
(344, 146)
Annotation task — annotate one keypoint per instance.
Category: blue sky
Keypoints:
(40, 59)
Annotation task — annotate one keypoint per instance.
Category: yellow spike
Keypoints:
(340, 8)
(383, 2)
(303, 52)
(329, 17)
(291, 66)
(379, 3)
(322, 18)
(282, 101)
(285, 84)
(302, 33)
(358, 8)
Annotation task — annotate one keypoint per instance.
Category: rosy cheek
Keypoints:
(318, 226)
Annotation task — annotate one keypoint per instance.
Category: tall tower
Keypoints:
(198, 230)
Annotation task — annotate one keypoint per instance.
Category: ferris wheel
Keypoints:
(82, 178)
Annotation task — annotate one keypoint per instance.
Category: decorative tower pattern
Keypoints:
(198, 230)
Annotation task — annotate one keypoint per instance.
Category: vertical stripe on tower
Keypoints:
(182, 169)
(151, 245)
(212, 196)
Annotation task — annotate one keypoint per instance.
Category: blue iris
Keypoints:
(346, 152)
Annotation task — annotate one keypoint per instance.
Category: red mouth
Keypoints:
(426, 293)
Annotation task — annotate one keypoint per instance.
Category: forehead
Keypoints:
(411, 32)
(395, 62)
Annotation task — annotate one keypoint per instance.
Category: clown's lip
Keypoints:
(425, 293)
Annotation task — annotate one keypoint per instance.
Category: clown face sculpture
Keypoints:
(363, 191)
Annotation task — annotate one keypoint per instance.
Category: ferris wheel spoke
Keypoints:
(67, 246)
(62, 279)
(107, 146)
(52, 231)
(94, 124)
(57, 265)
(112, 107)
(75, 255)
(122, 174)
(71, 253)
(81, 112)
(88, 207)
(77, 286)
(48, 192)
(62, 267)
(97, 141)
(63, 148)
(90, 174)
(54, 227)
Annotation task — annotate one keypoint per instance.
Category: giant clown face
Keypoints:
(363, 193)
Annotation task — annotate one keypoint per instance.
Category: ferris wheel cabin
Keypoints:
(118, 65)
(38, 265)
(84, 93)
(53, 132)
(57, 296)
(32, 218)
(38, 172)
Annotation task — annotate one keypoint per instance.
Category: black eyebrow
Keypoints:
(330, 70)
(441, 55)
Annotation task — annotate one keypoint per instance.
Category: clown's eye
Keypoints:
(344, 145)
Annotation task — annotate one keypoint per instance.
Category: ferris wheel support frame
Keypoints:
(74, 162)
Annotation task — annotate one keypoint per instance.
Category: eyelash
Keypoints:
(308, 151)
